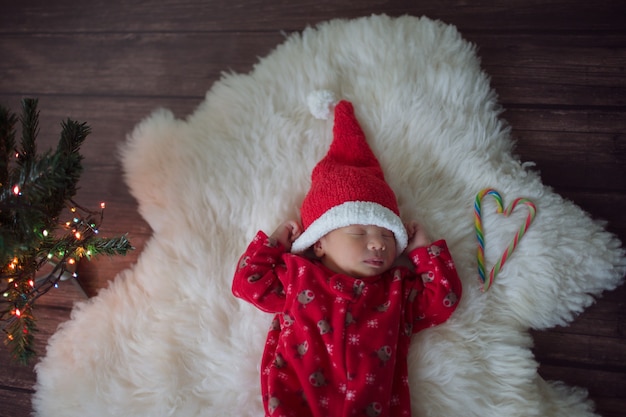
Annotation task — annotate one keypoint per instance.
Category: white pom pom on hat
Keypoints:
(321, 102)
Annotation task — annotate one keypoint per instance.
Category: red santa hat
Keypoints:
(347, 186)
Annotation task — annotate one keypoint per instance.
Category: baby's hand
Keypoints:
(417, 236)
(286, 233)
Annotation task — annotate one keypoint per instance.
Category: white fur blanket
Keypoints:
(168, 339)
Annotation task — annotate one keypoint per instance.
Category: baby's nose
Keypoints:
(376, 243)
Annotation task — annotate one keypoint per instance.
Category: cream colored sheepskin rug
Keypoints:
(168, 339)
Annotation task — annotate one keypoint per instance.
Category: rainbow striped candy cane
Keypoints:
(480, 236)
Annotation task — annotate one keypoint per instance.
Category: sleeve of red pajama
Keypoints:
(437, 289)
(257, 279)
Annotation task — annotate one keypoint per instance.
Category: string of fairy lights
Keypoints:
(61, 251)
(36, 249)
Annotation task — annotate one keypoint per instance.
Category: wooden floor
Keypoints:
(558, 67)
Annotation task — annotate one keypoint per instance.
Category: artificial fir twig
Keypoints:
(34, 190)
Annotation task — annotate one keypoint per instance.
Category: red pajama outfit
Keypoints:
(338, 345)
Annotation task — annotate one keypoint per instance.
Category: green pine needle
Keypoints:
(34, 191)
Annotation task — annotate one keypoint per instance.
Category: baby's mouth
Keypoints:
(375, 261)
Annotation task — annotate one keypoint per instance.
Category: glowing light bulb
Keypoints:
(17, 312)
(102, 205)
(77, 235)
(45, 233)
(16, 190)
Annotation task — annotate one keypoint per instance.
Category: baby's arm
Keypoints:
(437, 287)
(257, 277)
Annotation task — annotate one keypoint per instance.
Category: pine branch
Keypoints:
(30, 130)
(8, 121)
(70, 160)
(109, 246)
(33, 195)
(20, 337)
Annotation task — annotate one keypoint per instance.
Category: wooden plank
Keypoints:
(594, 341)
(608, 207)
(550, 69)
(16, 377)
(610, 407)
(605, 388)
(15, 403)
(555, 69)
(572, 159)
(610, 307)
(605, 318)
(126, 64)
(254, 15)
(590, 147)
(586, 350)
(569, 119)
(575, 149)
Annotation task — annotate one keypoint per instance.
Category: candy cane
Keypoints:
(480, 236)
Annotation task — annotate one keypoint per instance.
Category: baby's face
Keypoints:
(357, 250)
